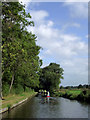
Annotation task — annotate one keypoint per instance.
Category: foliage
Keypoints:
(76, 87)
(50, 77)
(20, 61)
(75, 94)
(9, 106)
(19, 89)
(5, 89)
(80, 86)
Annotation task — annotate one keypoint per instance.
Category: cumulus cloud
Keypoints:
(79, 9)
(39, 16)
(69, 50)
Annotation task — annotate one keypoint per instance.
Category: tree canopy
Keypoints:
(50, 77)
(20, 61)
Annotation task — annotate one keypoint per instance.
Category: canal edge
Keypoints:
(15, 105)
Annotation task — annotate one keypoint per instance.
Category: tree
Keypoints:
(20, 61)
(80, 86)
(51, 76)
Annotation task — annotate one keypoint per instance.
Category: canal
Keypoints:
(39, 107)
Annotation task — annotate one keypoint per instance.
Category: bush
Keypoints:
(84, 92)
(67, 95)
(5, 89)
(73, 97)
(80, 96)
(9, 106)
(19, 89)
(27, 89)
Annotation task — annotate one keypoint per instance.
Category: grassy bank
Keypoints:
(12, 99)
(74, 94)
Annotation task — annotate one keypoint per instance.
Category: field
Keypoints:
(74, 94)
(75, 91)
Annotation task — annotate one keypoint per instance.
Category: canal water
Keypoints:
(40, 107)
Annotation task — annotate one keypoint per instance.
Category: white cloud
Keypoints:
(68, 25)
(39, 16)
(50, 24)
(79, 10)
(69, 50)
(76, 25)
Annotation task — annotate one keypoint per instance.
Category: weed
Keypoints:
(9, 106)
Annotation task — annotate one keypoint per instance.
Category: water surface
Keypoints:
(58, 107)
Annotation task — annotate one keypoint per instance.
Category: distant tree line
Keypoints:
(79, 86)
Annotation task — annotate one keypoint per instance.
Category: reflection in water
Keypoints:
(42, 107)
(49, 100)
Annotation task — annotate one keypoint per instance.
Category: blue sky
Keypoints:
(62, 31)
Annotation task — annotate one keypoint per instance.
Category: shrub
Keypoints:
(73, 97)
(80, 96)
(5, 89)
(27, 89)
(19, 89)
(9, 106)
(84, 92)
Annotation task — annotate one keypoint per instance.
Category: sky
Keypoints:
(62, 32)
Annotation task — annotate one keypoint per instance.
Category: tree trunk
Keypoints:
(1, 96)
(0, 88)
(11, 82)
(2, 73)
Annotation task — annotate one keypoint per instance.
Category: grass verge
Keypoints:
(12, 99)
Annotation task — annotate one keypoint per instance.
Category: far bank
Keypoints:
(74, 94)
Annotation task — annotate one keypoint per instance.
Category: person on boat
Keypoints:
(48, 94)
